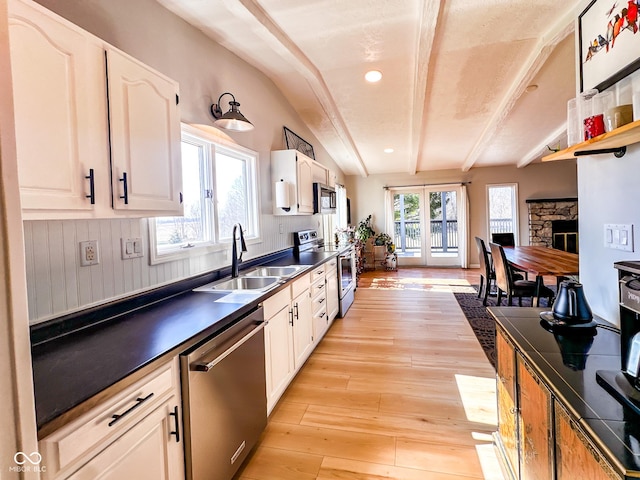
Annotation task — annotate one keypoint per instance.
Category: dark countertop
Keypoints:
(568, 364)
(70, 368)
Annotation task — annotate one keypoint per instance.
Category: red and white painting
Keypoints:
(609, 42)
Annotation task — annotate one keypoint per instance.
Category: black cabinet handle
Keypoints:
(297, 312)
(139, 401)
(92, 187)
(291, 317)
(125, 187)
(174, 414)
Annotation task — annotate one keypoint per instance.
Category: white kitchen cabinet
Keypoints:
(302, 327)
(278, 339)
(324, 295)
(319, 303)
(145, 137)
(62, 116)
(332, 178)
(296, 169)
(288, 336)
(319, 173)
(141, 453)
(333, 294)
(60, 110)
(135, 434)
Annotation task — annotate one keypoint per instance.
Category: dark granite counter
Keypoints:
(568, 364)
(76, 358)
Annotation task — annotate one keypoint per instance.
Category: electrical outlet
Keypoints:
(89, 254)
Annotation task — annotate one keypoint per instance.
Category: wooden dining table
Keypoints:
(542, 261)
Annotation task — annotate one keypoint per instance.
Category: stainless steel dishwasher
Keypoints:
(224, 399)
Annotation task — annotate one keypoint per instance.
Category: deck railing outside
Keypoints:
(441, 241)
(501, 225)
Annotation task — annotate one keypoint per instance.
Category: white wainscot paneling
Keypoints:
(58, 285)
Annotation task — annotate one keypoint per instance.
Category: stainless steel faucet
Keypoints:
(235, 260)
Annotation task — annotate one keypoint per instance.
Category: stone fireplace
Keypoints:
(554, 223)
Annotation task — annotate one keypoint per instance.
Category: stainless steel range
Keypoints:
(309, 241)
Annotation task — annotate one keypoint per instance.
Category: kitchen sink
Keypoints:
(245, 283)
(283, 272)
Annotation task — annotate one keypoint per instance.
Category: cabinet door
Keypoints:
(60, 111)
(536, 447)
(279, 365)
(506, 392)
(319, 173)
(145, 137)
(148, 451)
(576, 457)
(302, 328)
(333, 298)
(304, 167)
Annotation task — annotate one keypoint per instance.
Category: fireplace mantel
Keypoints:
(544, 200)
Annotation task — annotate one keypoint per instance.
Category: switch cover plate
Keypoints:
(618, 236)
(131, 248)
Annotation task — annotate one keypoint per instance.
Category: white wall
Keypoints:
(541, 180)
(608, 192)
(204, 69)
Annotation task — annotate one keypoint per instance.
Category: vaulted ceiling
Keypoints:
(459, 76)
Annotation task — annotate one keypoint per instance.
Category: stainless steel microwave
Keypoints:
(324, 198)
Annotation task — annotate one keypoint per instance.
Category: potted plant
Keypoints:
(383, 239)
(365, 230)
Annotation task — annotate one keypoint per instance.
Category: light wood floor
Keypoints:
(399, 388)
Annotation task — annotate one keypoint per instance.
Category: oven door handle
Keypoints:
(208, 364)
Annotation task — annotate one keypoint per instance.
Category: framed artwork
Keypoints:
(609, 42)
(297, 143)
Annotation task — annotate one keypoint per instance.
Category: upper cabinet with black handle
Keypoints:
(73, 95)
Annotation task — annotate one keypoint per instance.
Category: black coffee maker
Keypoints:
(570, 310)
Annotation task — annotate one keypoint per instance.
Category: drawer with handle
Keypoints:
(68, 447)
(318, 273)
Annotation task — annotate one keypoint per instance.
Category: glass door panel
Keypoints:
(443, 228)
(407, 215)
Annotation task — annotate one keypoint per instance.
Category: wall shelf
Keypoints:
(620, 137)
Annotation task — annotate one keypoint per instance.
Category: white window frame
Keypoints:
(515, 207)
(212, 141)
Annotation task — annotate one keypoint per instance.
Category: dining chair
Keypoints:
(508, 285)
(486, 271)
(508, 239)
(504, 239)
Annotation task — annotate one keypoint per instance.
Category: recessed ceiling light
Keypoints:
(373, 76)
(531, 88)
(388, 150)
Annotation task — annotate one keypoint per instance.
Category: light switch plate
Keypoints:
(618, 236)
(131, 248)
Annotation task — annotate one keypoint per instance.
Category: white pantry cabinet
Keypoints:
(62, 120)
(297, 170)
(135, 434)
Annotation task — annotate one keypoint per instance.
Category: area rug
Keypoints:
(481, 321)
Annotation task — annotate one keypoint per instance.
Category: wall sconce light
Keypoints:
(233, 119)
(282, 195)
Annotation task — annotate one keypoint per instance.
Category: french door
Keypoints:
(428, 224)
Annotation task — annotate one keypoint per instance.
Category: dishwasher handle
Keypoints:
(207, 364)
